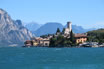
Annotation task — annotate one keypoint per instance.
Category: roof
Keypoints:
(80, 35)
(28, 40)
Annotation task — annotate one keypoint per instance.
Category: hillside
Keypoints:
(11, 31)
(96, 35)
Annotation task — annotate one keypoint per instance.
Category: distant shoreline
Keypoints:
(60, 47)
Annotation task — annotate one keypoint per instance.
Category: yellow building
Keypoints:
(38, 41)
(35, 43)
(80, 38)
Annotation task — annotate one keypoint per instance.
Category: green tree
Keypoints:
(72, 38)
(53, 42)
(96, 36)
(58, 30)
(61, 41)
(63, 30)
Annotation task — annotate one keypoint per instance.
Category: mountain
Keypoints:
(51, 27)
(32, 26)
(78, 29)
(48, 28)
(91, 29)
(11, 31)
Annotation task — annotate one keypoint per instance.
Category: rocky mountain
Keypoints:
(11, 31)
(32, 26)
(48, 28)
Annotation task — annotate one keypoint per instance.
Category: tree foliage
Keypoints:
(61, 41)
(72, 38)
(96, 36)
(63, 30)
(58, 30)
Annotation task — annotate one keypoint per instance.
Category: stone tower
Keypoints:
(69, 26)
(68, 29)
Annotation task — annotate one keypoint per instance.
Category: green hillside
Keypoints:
(96, 36)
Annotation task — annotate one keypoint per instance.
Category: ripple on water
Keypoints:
(51, 58)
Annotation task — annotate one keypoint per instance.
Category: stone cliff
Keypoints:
(11, 31)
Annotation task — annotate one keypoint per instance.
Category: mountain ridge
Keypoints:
(11, 31)
(48, 29)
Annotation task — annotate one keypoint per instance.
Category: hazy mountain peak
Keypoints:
(51, 27)
(33, 26)
(48, 28)
(53, 23)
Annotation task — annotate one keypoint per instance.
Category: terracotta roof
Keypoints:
(80, 35)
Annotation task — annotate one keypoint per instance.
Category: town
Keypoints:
(44, 41)
(72, 39)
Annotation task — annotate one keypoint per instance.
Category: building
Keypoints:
(45, 42)
(80, 38)
(28, 43)
(38, 41)
(35, 42)
(68, 30)
(45, 39)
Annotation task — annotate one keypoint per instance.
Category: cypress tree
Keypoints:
(72, 38)
(58, 30)
(63, 30)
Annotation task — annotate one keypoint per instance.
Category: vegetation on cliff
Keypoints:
(96, 36)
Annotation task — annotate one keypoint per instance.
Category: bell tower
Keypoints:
(69, 26)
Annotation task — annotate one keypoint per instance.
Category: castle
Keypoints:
(69, 28)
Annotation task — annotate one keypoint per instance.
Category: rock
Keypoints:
(11, 31)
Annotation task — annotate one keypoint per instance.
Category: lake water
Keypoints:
(51, 58)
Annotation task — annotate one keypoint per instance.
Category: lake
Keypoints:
(51, 58)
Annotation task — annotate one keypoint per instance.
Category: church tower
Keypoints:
(69, 26)
(68, 29)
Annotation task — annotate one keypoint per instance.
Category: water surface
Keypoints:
(51, 58)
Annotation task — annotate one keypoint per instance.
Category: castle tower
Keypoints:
(68, 29)
(69, 26)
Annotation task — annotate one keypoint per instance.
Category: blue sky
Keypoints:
(86, 13)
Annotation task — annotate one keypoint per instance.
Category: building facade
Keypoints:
(80, 38)
(38, 41)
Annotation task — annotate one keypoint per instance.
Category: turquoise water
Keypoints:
(51, 58)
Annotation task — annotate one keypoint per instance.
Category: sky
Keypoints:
(86, 13)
